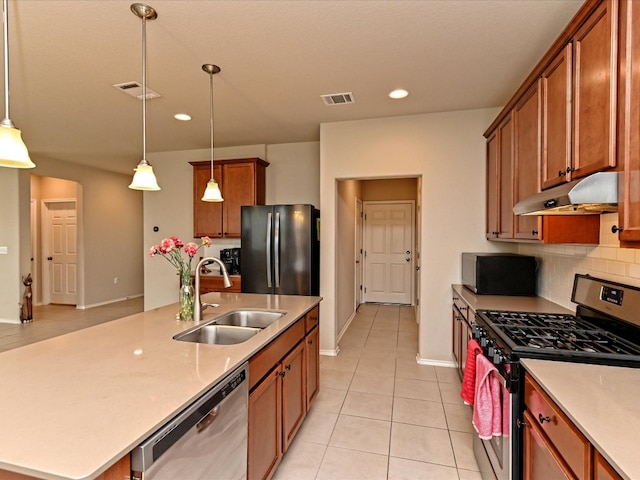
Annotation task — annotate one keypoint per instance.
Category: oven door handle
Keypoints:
(503, 380)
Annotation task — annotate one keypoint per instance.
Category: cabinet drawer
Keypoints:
(461, 305)
(262, 362)
(311, 319)
(574, 448)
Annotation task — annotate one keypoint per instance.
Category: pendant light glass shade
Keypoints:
(13, 151)
(144, 178)
(212, 192)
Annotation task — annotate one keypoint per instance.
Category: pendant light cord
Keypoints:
(211, 117)
(144, 89)
(5, 31)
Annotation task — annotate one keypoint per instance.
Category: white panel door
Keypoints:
(63, 249)
(388, 232)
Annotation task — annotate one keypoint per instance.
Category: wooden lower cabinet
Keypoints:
(312, 355)
(279, 401)
(294, 398)
(265, 420)
(602, 470)
(553, 446)
(541, 459)
(215, 283)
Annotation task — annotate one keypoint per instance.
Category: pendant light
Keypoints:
(144, 179)
(13, 151)
(212, 192)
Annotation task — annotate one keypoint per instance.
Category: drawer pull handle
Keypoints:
(288, 367)
(543, 419)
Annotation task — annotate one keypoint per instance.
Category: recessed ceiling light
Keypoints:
(399, 93)
(182, 116)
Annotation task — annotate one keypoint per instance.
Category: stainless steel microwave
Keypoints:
(499, 273)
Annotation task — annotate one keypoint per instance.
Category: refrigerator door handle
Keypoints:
(276, 250)
(268, 250)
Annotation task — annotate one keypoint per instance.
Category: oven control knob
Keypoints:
(491, 348)
(499, 357)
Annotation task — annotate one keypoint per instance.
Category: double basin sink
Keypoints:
(231, 328)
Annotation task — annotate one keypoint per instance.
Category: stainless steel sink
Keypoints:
(231, 328)
(213, 334)
(249, 318)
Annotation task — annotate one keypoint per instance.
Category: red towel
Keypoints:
(487, 409)
(469, 380)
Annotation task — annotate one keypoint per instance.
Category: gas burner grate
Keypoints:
(559, 332)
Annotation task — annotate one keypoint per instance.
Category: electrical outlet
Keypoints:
(115, 280)
(4, 251)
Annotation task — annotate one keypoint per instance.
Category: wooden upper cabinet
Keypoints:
(595, 91)
(629, 123)
(505, 162)
(527, 132)
(493, 177)
(556, 87)
(242, 182)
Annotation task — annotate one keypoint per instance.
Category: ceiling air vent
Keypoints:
(338, 98)
(135, 90)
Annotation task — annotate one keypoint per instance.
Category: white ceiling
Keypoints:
(277, 58)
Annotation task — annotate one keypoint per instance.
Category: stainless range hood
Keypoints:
(595, 194)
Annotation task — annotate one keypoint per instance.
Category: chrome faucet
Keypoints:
(199, 307)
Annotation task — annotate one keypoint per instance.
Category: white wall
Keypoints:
(291, 177)
(111, 215)
(448, 151)
(10, 271)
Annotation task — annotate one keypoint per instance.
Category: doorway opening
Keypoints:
(361, 275)
(55, 241)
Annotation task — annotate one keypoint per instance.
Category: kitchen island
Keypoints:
(72, 406)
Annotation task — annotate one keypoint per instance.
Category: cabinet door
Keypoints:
(457, 335)
(629, 129)
(239, 189)
(466, 336)
(493, 176)
(293, 394)
(312, 359)
(556, 119)
(265, 420)
(207, 216)
(595, 88)
(505, 161)
(527, 130)
(602, 470)
(541, 460)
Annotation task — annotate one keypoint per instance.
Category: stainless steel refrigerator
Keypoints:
(280, 249)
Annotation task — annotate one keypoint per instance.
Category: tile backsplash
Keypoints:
(559, 263)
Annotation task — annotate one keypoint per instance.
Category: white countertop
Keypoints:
(602, 401)
(73, 405)
(517, 303)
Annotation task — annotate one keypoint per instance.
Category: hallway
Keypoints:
(380, 415)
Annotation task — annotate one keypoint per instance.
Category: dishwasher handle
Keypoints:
(206, 422)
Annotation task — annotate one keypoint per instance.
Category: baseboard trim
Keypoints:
(330, 353)
(436, 363)
(115, 300)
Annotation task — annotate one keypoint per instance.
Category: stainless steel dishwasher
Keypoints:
(207, 441)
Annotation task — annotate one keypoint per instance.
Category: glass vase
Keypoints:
(187, 299)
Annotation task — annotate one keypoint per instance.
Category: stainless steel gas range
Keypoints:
(604, 330)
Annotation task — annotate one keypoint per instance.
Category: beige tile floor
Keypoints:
(380, 415)
(53, 320)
